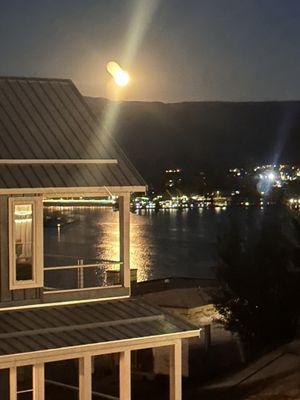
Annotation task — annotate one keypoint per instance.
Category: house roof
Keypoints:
(55, 327)
(44, 119)
(176, 292)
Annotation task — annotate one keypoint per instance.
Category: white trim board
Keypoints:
(62, 303)
(94, 349)
(76, 191)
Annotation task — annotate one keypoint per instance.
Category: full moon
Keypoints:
(120, 76)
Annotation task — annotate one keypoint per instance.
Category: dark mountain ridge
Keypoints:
(206, 135)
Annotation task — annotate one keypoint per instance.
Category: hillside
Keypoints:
(197, 135)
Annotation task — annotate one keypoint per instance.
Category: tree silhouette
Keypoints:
(258, 295)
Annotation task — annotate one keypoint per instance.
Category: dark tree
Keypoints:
(259, 279)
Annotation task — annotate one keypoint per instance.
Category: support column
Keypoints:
(13, 383)
(39, 382)
(124, 227)
(85, 378)
(125, 375)
(176, 371)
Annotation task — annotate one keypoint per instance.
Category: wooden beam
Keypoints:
(13, 383)
(85, 378)
(38, 382)
(176, 371)
(125, 375)
(124, 226)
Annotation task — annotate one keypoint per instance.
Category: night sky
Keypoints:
(175, 50)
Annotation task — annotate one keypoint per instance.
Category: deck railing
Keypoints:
(99, 273)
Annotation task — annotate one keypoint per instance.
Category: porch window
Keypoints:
(26, 242)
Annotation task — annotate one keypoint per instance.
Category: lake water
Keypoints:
(168, 243)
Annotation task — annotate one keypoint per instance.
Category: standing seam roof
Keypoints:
(54, 327)
(49, 119)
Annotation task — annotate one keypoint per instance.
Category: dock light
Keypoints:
(120, 76)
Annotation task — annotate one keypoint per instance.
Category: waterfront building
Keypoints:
(52, 147)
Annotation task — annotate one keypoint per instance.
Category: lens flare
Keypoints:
(120, 76)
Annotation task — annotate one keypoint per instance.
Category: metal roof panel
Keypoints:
(49, 119)
(71, 325)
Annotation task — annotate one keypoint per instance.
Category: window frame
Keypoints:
(37, 280)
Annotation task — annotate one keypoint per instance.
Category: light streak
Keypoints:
(144, 11)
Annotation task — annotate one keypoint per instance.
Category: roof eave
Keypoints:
(101, 348)
(75, 191)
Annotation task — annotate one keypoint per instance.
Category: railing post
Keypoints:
(13, 383)
(176, 371)
(85, 378)
(80, 274)
(125, 375)
(39, 382)
(124, 226)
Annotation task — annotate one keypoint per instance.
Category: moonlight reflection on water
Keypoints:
(163, 244)
(107, 245)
